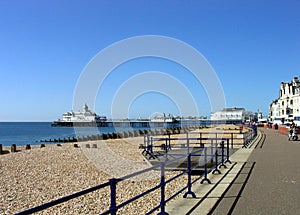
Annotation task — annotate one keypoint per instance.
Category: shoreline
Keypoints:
(73, 134)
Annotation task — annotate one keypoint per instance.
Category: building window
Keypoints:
(282, 103)
(291, 102)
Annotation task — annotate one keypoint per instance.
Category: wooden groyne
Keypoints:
(126, 134)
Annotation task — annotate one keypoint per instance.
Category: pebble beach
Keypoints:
(36, 176)
(32, 177)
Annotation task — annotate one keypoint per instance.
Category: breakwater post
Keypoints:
(125, 134)
(13, 148)
(1, 149)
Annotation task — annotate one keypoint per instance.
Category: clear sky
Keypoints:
(45, 45)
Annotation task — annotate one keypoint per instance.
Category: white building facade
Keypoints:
(84, 115)
(232, 115)
(287, 107)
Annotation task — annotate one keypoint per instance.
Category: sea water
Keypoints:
(22, 133)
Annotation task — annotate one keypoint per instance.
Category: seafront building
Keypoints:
(286, 107)
(233, 115)
(84, 117)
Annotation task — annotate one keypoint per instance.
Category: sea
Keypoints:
(22, 133)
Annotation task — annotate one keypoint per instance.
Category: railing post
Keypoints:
(205, 168)
(211, 151)
(216, 160)
(189, 185)
(146, 140)
(188, 143)
(166, 146)
(166, 150)
(223, 160)
(151, 145)
(232, 140)
(162, 190)
(169, 145)
(113, 196)
(150, 149)
(201, 139)
(227, 153)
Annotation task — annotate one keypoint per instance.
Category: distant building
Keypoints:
(82, 118)
(285, 108)
(232, 115)
(84, 115)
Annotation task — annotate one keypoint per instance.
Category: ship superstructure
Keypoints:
(84, 117)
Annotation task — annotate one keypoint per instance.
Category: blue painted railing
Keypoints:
(220, 156)
(200, 140)
(169, 142)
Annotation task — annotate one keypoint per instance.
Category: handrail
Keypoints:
(112, 183)
(149, 140)
(63, 199)
(247, 137)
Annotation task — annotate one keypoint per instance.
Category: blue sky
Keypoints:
(45, 45)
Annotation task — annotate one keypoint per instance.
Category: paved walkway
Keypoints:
(263, 179)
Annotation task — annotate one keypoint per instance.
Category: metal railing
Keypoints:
(169, 142)
(216, 154)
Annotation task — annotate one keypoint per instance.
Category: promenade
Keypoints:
(262, 179)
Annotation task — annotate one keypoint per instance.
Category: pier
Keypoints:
(136, 123)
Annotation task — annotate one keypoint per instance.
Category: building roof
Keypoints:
(232, 109)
